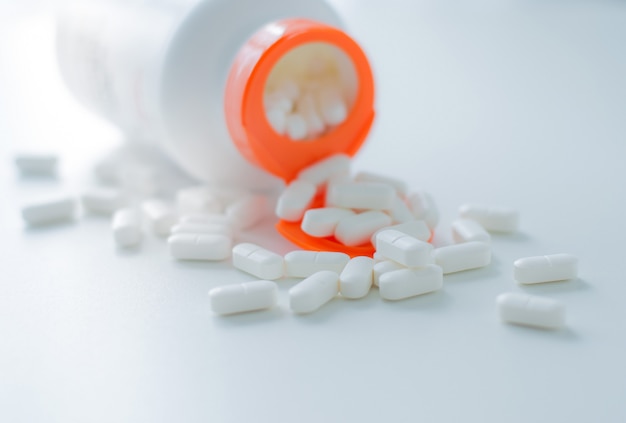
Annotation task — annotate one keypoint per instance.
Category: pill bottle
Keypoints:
(192, 77)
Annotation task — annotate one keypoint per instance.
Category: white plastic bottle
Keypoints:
(159, 69)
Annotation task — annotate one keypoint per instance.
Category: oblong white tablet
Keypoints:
(467, 230)
(424, 208)
(126, 227)
(314, 291)
(103, 200)
(301, 264)
(530, 310)
(358, 229)
(319, 173)
(400, 212)
(294, 200)
(383, 267)
(258, 261)
(160, 215)
(465, 256)
(415, 228)
(36, 163)
(360, 195)
(199, 247)
(243, 297)
(403, 248)
(49, 210)
(405, 283)
(492, 218)
(539, 269)
(355, 280)
(322, 222)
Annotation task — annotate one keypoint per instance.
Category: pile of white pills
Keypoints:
(207, 223)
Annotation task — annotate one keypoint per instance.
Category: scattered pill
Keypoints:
(323, 221)
(359, 228)
(294, 200)
(403, 248)
(492, 218)
(248, 211)
(530, 310)
(467, 230)
(199, 247)
(244, 297)
(465, 256)
(314, 291)
(361, 195)
(103, 200)
(415, 228)
(405, 283)
(539, 269)
(400, 212)
(355, 280)
(126, 227)
(49, 210)
(385, 266)
(39, 164)
(302, 263)
(319, 173)
(424, 208)
(258, 261)
(160, 215)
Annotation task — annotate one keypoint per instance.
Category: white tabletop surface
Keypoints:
(518, 103)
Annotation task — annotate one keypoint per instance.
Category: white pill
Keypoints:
(248, 211)
(530, 310)
(36, 163)
(294, 200)
(424, 208)
(314, 291)
(467, 230)
(359, 228)
(315, 124)
(243, 297)
(399, 185)
(197, 199)
(492, 218)
(332, 107)
(277, 101)
(361, 195)
(405, 283)
(539, 269)
(301, 264)
(258, 261)
(103, 200)
(277, 118)
(465, 256)
(202, 228)
(199, 247)
(160, 215)
(126, 227)
(385, 266)
(400, 212)
(378, 257)
(319, 173)
(49, 210)
(289, 89)
(295, 127)
(415, 228)
(403, 248)
(323, 221)
(355, 280)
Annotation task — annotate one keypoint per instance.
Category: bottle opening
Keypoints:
(310, 91)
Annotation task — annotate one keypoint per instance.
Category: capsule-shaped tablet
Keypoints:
(314, 291)
(39, 164)
(307, 108)
(243, 297)
(403, 248)
(198, 199)
(424, 208)
(415, 228)
(383, 267)
(355, 280)
(492, 218)
(465, 256)
(202, 228)
(530, 310)
(322, 222)
(399, 185)
(103, 200)
(295, 127)
(320, 172)
(539, 269)
(359, 228)
(249, 211)
(199, 247)
(294, 200)
(160, 215)
(405, 283)
(301, 264)
(49, 210)
(258, 261)
(467, 230)
(332, 107)
(361, 195)
(400, 212)
(126, 227)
